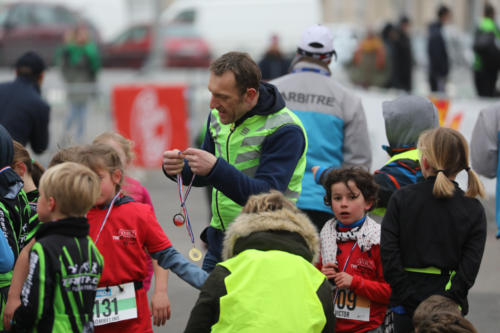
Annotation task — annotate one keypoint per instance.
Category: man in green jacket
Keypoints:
(253, 144)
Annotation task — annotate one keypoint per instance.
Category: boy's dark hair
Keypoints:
(246, 72)
(363, 180)
(443, 11)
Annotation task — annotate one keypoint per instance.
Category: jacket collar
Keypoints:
(71, 226)
(269, 102)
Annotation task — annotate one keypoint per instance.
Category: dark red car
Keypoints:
(182, 47)
(35, 26)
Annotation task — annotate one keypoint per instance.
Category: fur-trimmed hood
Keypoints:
(281, 230)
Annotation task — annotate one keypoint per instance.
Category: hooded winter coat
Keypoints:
(267, 282)
(405, 119)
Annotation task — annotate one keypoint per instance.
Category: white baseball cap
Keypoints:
(317, 39)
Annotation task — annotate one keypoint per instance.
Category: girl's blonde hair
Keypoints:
(126, 144)
(447, 153)
(100, 157)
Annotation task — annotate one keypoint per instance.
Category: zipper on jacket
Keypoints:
(217, 191)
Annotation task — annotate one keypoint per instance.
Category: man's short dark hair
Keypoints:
(246, 72)
(443, 11)
(30, 64)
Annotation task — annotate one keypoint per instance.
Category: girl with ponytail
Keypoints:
(433, 234)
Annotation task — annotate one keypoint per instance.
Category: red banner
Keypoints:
(154, 117)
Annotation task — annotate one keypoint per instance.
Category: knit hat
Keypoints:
(317, 42)
(30, 63)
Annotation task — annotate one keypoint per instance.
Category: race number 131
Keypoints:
(106, 307)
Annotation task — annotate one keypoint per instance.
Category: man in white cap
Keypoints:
(333, 117)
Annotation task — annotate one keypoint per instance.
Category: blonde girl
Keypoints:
(433, 233)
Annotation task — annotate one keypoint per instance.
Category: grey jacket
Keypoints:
(484, 142)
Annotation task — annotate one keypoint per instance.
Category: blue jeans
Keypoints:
(78, 115)
(214, 238)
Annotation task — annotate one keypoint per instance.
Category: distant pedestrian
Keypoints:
(389, 35)
(487, 54)
(332, 115)
(433, 234)
(79, 61)
(402, 57)
(439, 62)
(370, 62)
(274, 63)
(25, 114)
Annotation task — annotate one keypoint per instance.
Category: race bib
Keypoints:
(352, 306)
(114, 304)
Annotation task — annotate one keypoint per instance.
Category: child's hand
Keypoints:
(160, 308)
(314, 170)
(343, 280)
(10, 307)
(330, 270)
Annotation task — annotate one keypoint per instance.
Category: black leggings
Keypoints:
(402, 323)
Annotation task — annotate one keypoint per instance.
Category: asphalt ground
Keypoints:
(484, 296)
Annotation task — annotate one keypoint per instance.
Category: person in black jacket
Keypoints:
(433, 234)
(402, 57)
(65, 265)
(439, 63)
(24, 113)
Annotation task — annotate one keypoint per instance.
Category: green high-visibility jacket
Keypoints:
(249, 293)
(241, 146)
(398, 175)
(59, 292)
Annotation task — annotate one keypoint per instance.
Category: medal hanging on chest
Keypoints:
(182, 217)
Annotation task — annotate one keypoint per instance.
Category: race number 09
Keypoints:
(346, 298)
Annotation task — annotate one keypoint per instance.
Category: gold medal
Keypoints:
(195, 254)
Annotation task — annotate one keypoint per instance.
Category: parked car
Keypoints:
(246, 25)
(182, 46)
(35, 26)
